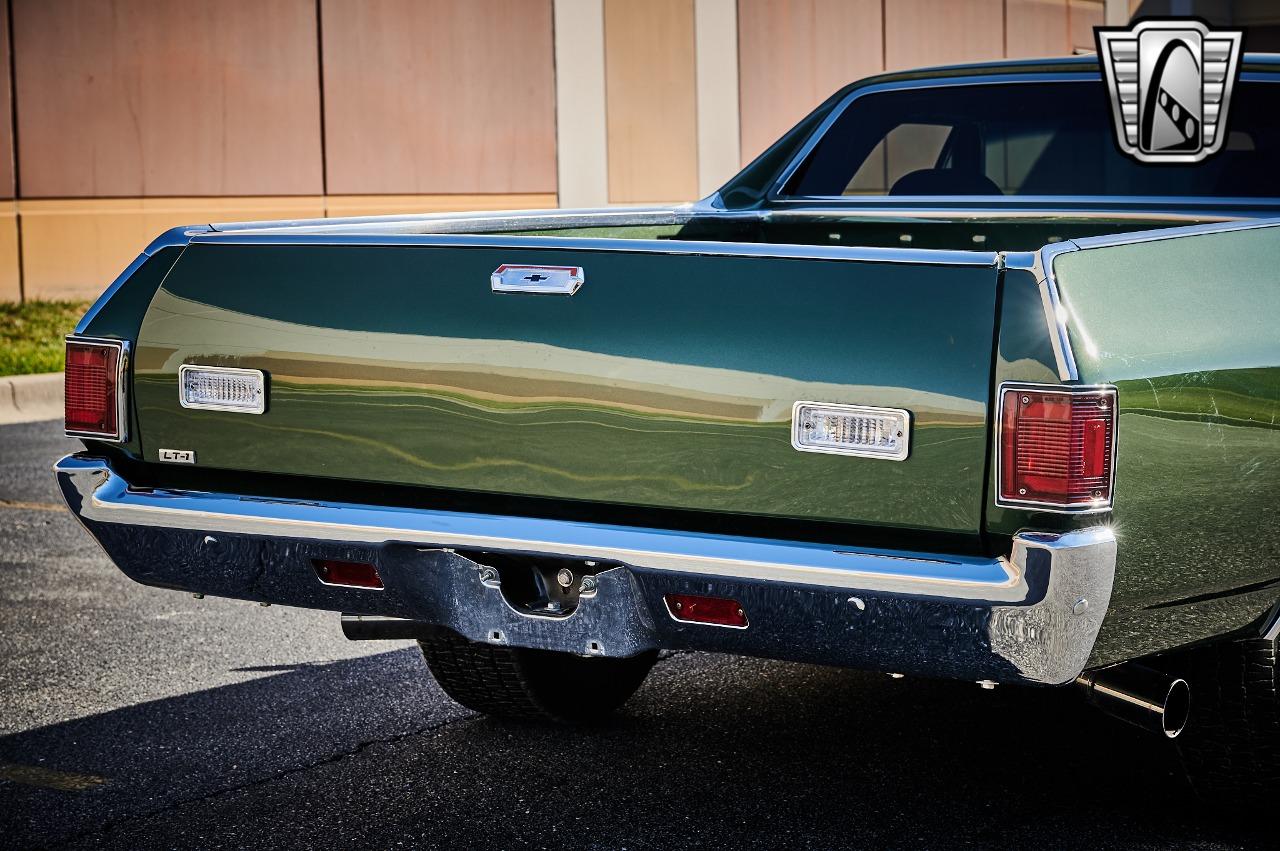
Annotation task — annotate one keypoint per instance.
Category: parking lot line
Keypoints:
(63, 781)
(31, 506)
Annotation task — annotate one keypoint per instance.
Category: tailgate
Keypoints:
(666, 380)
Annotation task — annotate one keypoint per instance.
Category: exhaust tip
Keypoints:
(1141, 696)
(1177, 709)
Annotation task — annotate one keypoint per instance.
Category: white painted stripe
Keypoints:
(581, 143)
(716, 45)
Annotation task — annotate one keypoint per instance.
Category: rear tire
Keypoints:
(1231, 747)
(517, 682)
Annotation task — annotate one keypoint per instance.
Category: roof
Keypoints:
(1083, 63)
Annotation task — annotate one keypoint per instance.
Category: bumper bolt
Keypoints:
(987, 684)
(1080, 606)
(564, 577)
(588, 585)
(897, 676)
(488, 576)
(197, 595)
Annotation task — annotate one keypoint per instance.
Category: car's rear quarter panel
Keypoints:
(1186, 328)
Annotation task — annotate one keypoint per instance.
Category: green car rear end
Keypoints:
(549, 445)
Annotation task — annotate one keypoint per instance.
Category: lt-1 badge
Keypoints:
(1170, 83)
(178, 456)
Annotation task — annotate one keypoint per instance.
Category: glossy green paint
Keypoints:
(667, 380)
(1185, 328)
(1023, 354)
(120, 318)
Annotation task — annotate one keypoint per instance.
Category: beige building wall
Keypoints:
(650, 100)
(133, 116)
(439, 97)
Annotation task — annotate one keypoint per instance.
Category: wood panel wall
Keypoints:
(151, 97)
(939, 32)
(793, 54)
(1036, 28)
(1085, 15)
(133, 115)
(439, 96)
(650, 100)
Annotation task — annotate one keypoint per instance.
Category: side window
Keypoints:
(904, 149)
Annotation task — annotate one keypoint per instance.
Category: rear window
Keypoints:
(1027, 139)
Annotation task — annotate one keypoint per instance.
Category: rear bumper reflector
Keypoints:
(716, 611)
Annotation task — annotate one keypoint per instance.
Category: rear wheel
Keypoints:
(518, 682)
(1231, 747)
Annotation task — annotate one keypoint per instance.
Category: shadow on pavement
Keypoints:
(164, 751)
(713, 752)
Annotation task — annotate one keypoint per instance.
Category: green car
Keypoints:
(943, 384)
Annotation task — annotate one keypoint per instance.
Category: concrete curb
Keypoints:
(30, 398)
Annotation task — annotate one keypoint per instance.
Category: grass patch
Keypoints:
(31, 334)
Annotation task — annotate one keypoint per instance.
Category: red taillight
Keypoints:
(93, 392)
(720, 611)
(1057, 447)
(353, 574)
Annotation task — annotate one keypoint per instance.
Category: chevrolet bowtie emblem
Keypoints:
(1170, 83)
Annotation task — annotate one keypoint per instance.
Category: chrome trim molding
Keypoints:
(983, 209)
(1030, 616)
(782, 251)
(1053, 507)
(480, 221)
(108, 498)
(121, 434)
(1110, 240)
(1056, 316)
(1272, 632)
(1110, 206)
(1055, 311)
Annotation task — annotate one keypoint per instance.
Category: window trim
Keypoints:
(775, 196)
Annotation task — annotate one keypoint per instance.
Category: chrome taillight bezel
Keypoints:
(121, 434)
(1047, 506)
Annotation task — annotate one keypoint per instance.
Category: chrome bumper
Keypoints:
(1032, 616)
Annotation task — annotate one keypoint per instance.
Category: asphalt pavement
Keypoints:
(133, 717)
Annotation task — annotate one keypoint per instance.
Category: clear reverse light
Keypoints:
(222, 388)
(851, 430)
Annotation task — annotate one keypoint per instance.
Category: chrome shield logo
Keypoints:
(1170, 84)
